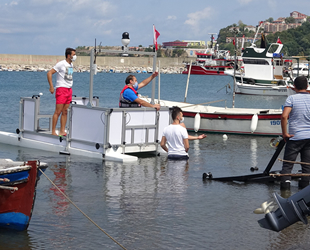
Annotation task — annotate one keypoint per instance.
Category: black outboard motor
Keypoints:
(291, 210)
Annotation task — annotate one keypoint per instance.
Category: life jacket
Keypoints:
(124, 103)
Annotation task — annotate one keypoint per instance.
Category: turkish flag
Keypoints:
(156, 35)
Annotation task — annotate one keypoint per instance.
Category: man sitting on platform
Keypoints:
(129, 96)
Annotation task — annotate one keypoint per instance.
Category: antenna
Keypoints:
(212, 38)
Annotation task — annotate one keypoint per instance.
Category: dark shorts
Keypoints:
(63, 95)
(178, 157)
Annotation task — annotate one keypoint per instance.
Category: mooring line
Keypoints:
(81, 210)
(295, 162)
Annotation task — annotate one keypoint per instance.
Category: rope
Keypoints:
(296, 175)
(201, 103)
(295, 162)
(81, 210)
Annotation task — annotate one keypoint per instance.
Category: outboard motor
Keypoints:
(290, 211)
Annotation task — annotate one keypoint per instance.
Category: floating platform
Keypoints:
(92, 131)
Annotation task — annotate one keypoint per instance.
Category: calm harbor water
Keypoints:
(154, 203)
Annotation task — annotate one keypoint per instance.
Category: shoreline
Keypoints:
(103, 69)
(104, 64)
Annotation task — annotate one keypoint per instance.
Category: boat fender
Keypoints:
(281, 83)
(197, 122)
(254, 122)
(250, 81)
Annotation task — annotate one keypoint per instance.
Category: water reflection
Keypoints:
(137, 189)
(8, 240)
(60, 204)
(254, 152)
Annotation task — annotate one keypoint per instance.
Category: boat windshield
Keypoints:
(273, 48)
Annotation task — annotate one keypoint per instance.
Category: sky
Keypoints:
(47, 27)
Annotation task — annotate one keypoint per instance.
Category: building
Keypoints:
(297, 14)
(175, 44)
(195, 42)
(250, 28)
(232, 29)
(239, 39)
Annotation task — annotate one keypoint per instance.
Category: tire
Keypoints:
(281, 83)
(250, 81)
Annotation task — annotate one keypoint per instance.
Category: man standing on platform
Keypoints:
(63, 95)
(297, 109)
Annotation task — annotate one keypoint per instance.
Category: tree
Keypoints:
(270, 20)
(290, 20)
(241, 25)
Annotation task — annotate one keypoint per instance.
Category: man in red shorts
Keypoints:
(64, 82)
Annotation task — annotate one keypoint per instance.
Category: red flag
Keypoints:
(279, 41)
(156, 35)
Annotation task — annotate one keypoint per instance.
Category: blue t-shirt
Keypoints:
(299, 117)
(129, 95)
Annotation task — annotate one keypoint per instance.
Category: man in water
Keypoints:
(297, 109)
(176, 136)
(129, 96)
(63, 95)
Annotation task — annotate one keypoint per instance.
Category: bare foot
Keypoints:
(54, 134)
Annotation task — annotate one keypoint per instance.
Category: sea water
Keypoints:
(153, 203)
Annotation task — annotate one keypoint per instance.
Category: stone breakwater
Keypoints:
(104, 64)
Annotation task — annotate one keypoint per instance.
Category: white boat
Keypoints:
(211, 119)
(263, 71)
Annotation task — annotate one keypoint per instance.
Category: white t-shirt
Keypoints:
(64, 74)
(175, 134)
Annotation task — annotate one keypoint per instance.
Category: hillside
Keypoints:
(296, 41)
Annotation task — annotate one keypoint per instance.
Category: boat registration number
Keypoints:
(275, 123)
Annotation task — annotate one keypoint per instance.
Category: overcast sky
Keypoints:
(47, 27)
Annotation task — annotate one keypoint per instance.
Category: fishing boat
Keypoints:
(244, 121)
(210, 62)
(18, 182)
(263, 70)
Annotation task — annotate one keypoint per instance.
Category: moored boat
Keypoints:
(264, 70)
(18, 182)
(211, 119)
(210, 62)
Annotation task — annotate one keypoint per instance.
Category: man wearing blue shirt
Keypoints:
(297, 109)
(129, 96)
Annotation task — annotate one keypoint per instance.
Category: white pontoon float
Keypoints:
(93, 131)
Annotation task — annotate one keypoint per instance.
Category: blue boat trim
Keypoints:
(13, 177)
(17, 221)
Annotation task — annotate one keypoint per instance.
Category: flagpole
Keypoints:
(154, 66)
(235, 65)
(155, 36)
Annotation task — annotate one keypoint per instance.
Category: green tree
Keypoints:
(290, 20)
(270, 20)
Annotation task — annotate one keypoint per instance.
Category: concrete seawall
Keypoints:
(41, 60)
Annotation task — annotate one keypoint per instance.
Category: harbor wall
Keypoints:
(41, 60)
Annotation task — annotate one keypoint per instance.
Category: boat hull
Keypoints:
(16, 206)
(253, 89)
(267, 125)
(204, 70)
(229, 120)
